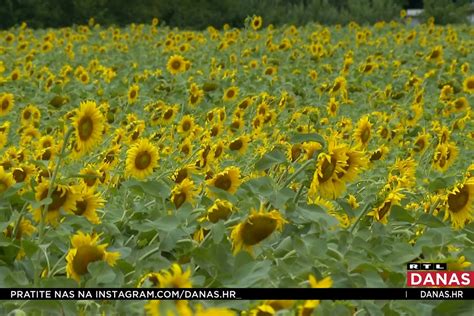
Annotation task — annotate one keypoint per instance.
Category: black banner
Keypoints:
(237, 294)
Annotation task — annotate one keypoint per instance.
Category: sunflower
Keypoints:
(186, 125)
(227, 180)
(326, 181)
(256, 228)
(309, 306)
(133, 93)
(382, 212)
(311, 149)
(185, 191)
(459, 204)
(63, 197)
(196, 95)
(280, 304)
(186, 146)
(355, 163)
(25, 228)
(87, 204)
(85, 250)
(89, 124)
(363, 131)
(6, 180)
(220, 210)
(444, 156)
(421, 143)
(256, 22)
(142, 158)
(175, 278)
(240, 144)
(332, 107)
(468, 84)
(7, 101)
(90, 176)
(176, 64)
(231, 94)
(23, 173)
(262, 309)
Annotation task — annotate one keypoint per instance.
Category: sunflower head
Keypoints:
(6, 103)
(176, 64)
(89, 125)
(459, 204)
(185, 191)
(142, 158)
(227, 180)
(255, 228)
(85, 249)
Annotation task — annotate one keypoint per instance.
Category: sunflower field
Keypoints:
(312, 156)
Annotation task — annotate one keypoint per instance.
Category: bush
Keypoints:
(447, 11)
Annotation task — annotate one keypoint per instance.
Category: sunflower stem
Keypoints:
(297, 172)
(362, 214)
(17, 226)
(52, 182)
(44, 210)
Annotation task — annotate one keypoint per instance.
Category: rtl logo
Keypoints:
(436, 275)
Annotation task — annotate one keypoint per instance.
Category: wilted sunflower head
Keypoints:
(85, 250)
(256, 228)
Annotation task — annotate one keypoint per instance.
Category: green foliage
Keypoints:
(447, 11)
(198, 14)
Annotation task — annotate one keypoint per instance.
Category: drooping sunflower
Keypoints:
(421, 142)
(220, 210)
(6, 180)
(176, 64)
(227, 180)
(459, 204)
(90, 176)
(85, 249)
(142, 158)
(87, 204)
(89, 125)
(468, 84)
(22, 173)
(444, 156)
(7, 101)
(363, 132)
(255, 228)
(240, 144)
(355, 163)
(133, 93)
(326, 181)
(63, 197)
(381, 212)
(185, 191)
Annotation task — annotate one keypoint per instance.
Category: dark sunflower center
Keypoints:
(59, 198)
(260, 228)
(81, 207)
(179, 199)
(194, 99)
(223, 182)
(470, 84)
(133, 94)
(336, 86)
(419, 145)
(168, 114)
(176, 64)
(218, 152)
(181, 175)
(458, 200)
(186, 126)
(5, 104)
(85, 255)
(19, 175)
(27, 115)
(85, 128)
(230, 93)
(295, 152)
(327, 169)
(236, 145)
(142, 160)
(384, 209)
